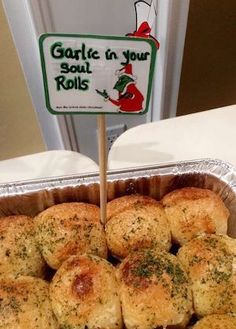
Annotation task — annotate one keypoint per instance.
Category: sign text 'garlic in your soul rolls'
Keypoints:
(97, 74)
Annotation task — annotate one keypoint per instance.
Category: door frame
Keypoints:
(170, 31)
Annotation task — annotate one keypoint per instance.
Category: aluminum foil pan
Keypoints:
(31, 197)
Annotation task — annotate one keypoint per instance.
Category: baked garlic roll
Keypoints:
(25, 304)
(140, 225)
(69, 229)
(84, 294)
(19, 254)
(216, 321)
(154, 290)
(210, 262)
(192, 211)
(118, 205)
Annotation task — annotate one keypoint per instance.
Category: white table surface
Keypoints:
(45, 164)
(209, 134)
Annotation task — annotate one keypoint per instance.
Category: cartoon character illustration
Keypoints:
(145, 18)
(130, 99)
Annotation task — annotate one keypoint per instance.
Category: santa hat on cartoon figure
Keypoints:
(126, 70)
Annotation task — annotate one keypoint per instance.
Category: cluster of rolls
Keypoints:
(146, 284)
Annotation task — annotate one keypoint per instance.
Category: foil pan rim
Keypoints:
(215, 167)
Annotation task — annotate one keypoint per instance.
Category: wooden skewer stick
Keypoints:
(102, 166)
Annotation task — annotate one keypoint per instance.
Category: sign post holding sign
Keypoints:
(96, 74)
(85, 74)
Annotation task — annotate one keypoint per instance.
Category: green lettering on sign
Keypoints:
(97, 74)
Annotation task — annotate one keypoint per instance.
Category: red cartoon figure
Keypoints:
(130, 99)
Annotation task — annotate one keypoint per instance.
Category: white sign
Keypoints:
(97, 74)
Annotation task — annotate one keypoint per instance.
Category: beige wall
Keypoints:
(19, 130)
(208, 77)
